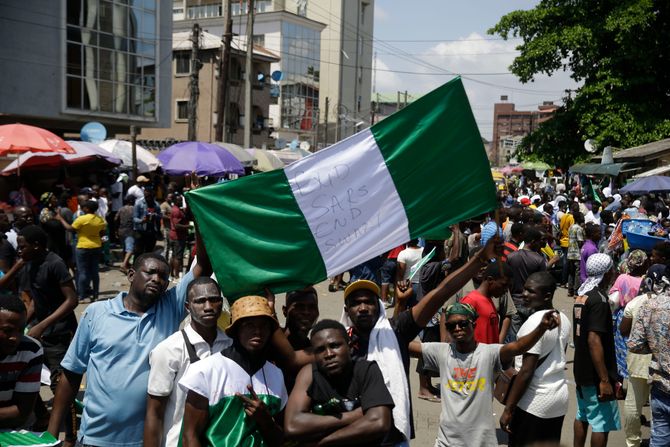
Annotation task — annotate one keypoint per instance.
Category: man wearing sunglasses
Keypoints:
(172, 357)
(467, 371)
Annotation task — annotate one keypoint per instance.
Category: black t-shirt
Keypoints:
(591, 313)
(7, 252)
(42, 279)
(364, 386)
(405, 330)
(523, 263)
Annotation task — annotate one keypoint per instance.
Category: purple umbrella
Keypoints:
(201, 158)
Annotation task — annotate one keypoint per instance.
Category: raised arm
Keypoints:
(550, 320)
(431, 303)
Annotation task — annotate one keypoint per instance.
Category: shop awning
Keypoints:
(656, 171)
(598, 169)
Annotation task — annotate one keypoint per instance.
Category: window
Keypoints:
(182, 63)
(259, 39)
(182, 110)
(111, 63)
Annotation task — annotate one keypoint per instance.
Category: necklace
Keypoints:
(464, 369)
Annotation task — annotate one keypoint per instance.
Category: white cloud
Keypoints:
(472, 56)
(386, 81)
(381, 15)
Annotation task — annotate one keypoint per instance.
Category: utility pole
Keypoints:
(224, 71)
(195, 90)
(326, 119)
(405, 100)
(397, 107)
(133, 142)
(248, 67)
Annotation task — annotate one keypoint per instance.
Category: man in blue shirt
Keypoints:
(112, 347)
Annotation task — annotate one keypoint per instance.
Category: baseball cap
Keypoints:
(142, 179)
(361, 284)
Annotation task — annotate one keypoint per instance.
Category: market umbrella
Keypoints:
(205, 159)
(146, 161)
(653, 183)
(287, 156)
(238, 152)
(22, 138)
(265, 160)
(84, 152)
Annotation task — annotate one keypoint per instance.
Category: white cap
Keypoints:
(636, 204)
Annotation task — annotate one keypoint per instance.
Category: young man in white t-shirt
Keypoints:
(171, 358)
(467, 371)
(538, 399)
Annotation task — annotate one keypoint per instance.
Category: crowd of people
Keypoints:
(159, 371)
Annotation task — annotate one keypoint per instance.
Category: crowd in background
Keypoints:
(327, 382)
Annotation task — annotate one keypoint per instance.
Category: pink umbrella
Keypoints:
(84, 152)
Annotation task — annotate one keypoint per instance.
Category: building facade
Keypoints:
(509, 123)
(294, 38)
(325, 51)
(206, 112)
(346, 64)
(67, 62)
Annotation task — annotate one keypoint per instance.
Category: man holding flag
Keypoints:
(374, 337)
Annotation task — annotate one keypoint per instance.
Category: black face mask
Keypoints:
(249, 363)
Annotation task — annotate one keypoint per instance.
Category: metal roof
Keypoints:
(651, 150)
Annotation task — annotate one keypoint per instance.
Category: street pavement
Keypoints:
(426, 414)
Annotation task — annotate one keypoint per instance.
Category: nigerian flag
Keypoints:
(412, 174)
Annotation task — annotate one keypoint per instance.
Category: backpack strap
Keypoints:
(192, 356)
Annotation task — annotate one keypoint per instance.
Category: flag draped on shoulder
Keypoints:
(412, 174)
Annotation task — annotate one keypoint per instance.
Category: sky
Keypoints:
(438, 37)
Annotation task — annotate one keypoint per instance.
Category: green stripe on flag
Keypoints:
(255, 234)
(435, 155)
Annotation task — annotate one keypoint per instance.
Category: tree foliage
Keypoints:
(618, 50)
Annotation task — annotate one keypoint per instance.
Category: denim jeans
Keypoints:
(660, 418)
(88, 270)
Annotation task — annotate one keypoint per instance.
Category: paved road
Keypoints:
(426, 414)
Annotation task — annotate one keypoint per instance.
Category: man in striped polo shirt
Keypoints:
(20, 365)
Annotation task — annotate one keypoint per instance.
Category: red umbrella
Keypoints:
(20, 138)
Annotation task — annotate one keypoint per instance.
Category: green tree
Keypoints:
(618, 50)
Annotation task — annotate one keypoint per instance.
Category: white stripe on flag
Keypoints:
(349, 200)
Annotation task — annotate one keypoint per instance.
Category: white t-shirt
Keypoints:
(136, 191)
(410, 257)
(169, 362)
(547, 393)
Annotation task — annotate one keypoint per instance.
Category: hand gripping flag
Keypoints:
(412, 174)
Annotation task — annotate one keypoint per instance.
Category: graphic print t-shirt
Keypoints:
(467, 393)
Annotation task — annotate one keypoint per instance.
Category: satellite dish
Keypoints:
(590, 146)
(277, 75)
(93, 132)
(260, 77)
(305, 145)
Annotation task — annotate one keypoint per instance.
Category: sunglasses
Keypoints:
(461, 324)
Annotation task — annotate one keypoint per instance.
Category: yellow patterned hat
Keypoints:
(250, 306)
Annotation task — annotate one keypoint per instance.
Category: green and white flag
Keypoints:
(412, 174)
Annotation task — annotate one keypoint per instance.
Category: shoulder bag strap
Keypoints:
(192, 356)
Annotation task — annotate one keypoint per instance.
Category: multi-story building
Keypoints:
(208, 81)
(325, 51)
(67, 62)
(346, 63)
(294, 38)
(509, 122)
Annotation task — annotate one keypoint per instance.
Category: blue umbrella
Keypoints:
(653, 183)
(201, 158)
